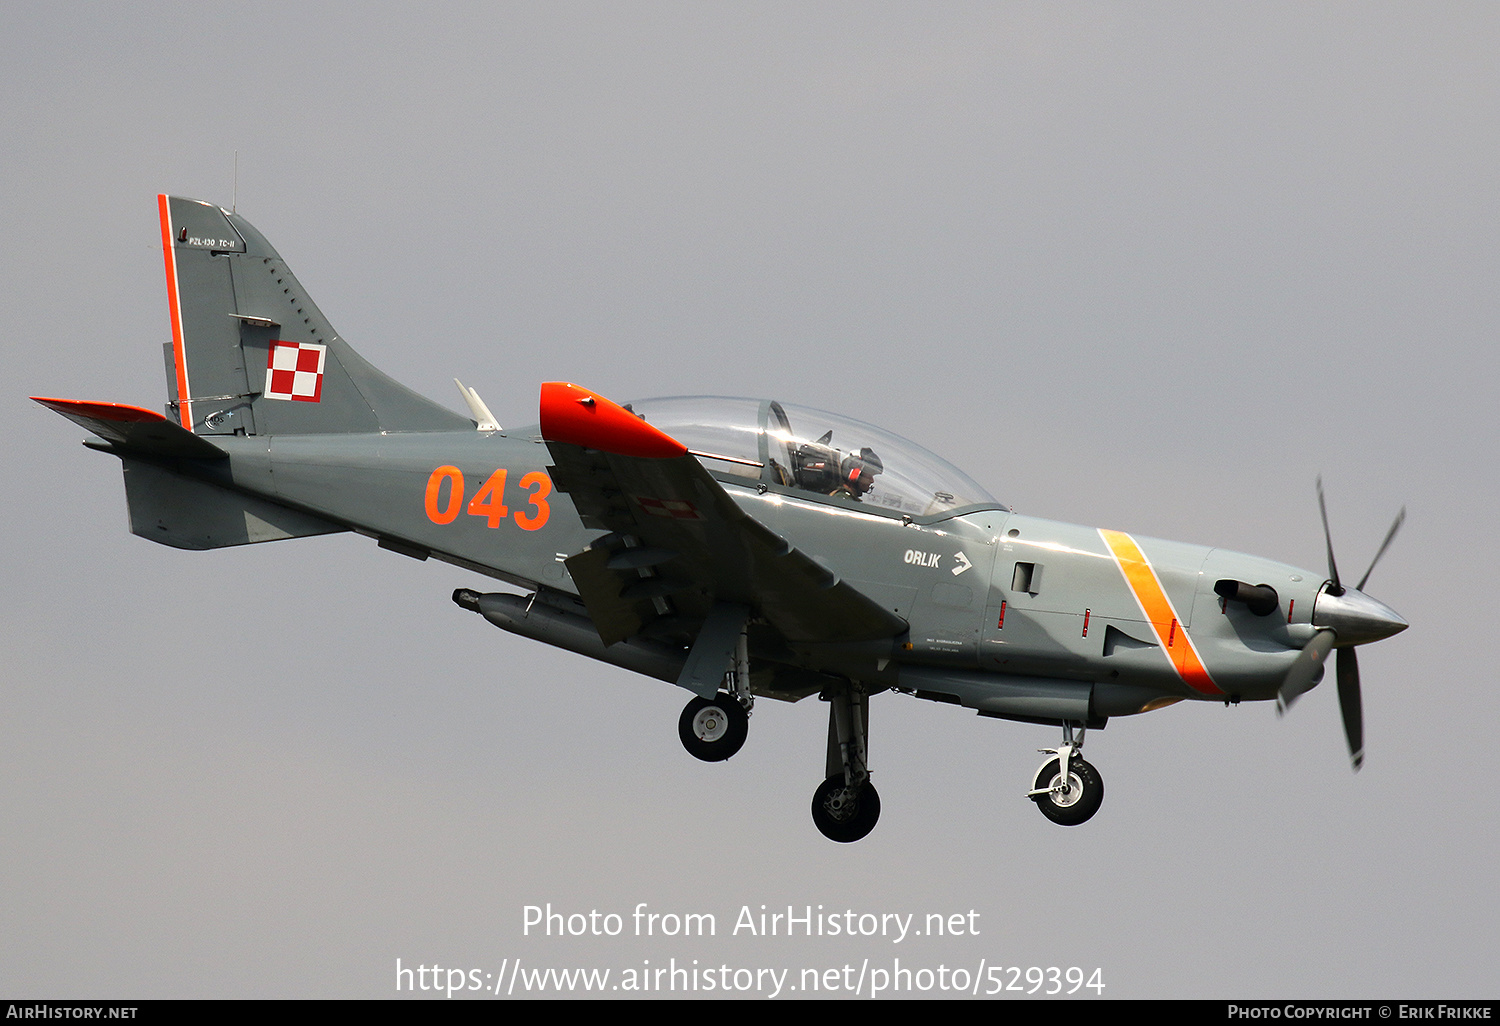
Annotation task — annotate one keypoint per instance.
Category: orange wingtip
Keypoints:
(573, 414)
(100, 411)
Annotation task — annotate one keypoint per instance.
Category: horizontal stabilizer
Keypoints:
(135, 430)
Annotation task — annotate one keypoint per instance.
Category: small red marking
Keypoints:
(1085, 623)
(1172, 634)
(1001, 625)
(1289, 607)
(573, 414)
(674, 509)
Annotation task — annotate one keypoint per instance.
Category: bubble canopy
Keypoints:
(799, 450)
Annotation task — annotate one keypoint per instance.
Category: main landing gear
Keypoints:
(713, 729)
(845, 807)
(1068, 790)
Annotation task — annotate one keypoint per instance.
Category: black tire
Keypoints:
(713, 729)
(842, 816)
(1078, 805)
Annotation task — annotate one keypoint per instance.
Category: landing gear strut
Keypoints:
(845, 807)
(714, 729)
(1067, 790)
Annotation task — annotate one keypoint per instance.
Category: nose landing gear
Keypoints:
(1067, 790)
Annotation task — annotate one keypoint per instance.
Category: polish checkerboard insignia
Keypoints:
(674, 509)
(295, 371)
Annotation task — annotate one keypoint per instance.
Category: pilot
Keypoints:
(857, 472)
(819, 467)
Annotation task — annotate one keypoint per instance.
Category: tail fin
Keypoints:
(251, 353)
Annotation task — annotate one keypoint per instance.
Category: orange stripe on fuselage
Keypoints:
(179, 351)
(1158, 608)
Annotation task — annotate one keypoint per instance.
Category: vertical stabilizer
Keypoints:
(252, 354)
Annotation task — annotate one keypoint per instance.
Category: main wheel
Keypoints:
(713, 729)
(1076, 804)
(843, 813)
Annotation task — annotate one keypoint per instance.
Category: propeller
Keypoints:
(1358, 619)
(1305, 670)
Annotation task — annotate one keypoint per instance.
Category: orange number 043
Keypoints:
(489, 501)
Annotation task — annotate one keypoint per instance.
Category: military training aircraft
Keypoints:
(737, 548)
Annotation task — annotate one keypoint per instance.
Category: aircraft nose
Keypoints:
(1355, 617)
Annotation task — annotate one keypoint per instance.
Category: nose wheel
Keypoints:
(1067, 790)
(1070, 802)
(713, 729)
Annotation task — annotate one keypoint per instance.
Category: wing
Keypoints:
(682, 558)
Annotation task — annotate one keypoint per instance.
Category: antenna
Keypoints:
(234, 203)
(484, 420)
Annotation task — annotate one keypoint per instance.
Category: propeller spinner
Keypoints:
(1346, 617)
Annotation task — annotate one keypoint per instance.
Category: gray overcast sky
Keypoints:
(1150, 266)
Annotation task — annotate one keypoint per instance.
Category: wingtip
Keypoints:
(120, 412)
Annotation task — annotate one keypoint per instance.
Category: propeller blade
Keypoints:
(1372, 622)
(1396, 526)
(1304, 672)
(1333, 568)
(1350, 705)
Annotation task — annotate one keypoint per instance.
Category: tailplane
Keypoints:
(184, 510)
(251, 354)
